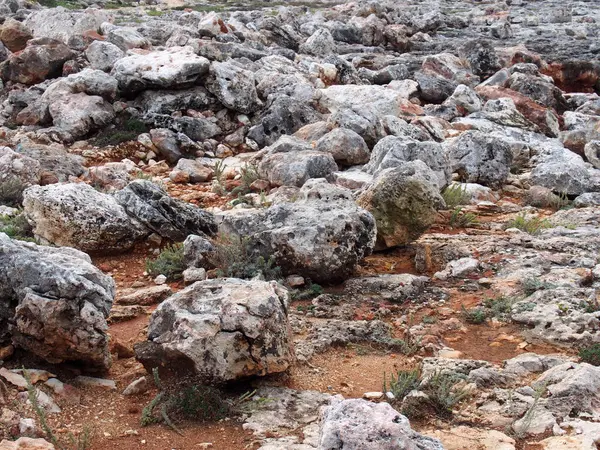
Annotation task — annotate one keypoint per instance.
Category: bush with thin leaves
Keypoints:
(474, 315)
(401, 383)
(16, 227)
(443, 393)
(170, 262)
(456, 195)
(532, 225)
(591, 354)
(11, 192)
(461, 219)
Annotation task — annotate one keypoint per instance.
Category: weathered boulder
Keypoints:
(592, 153)
(61, 24)
(41, 59)
(18, 170)
(55, 163)
(14, 35)
(404, 202)
(102, 55)
(347, 147)
(222, 330)
(357, 424)
(175, 67)
(320, 43)
(127, 38)
(76, 215)
(25, 443)
(480, 158)
(394, 151)
(233, 86)
(57, 302)
(150, 205)
(315, 237)
(293, 168)
(563, 172)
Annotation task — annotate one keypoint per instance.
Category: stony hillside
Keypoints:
(300, 225)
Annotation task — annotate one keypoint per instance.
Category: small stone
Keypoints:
(13, 378)
(6, 352)
(194, 274)
(27, 427)
(95, 383)
(138, 386)
(294, 281)
(161, 279)
(373, 395)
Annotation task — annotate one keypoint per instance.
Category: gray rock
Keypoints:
(175, 67)
(55, 162)
(127, 38)
(392, 152)
(588, 199)
(346, 146)
(592, 153)
(404, 202)
(76, 215)
(294, 168)
(222, 330)
(480, 158)
(60, 23)
(150, 205)
(234, 87)
(320, 43)
(18, 170)
(357, 424)
(564, 172)
(102, 55)
(197, 251)
(57, 302)
(312, 237)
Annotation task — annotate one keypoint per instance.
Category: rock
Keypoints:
(222, 330)
(76, 215)
(193, 274)
(25, 443)
(404, 202)
(320, 43)
(14, 35)
(102, 55)
(461, 437)
(197, 250)
(61, 24)
(391, 287)
(40, 60)
(358, 424)
(56, 164)
(392, 152)
(588, 199)
(19, 171)
(563, 172)
(111, 176)
(100, 383)
(346, 146)
(176, 67)
(127, 38)
(146, 296)
(160, 280)
(479, 158)
(57, 302)
(592, 153)
(167, 144)
(149, 204)
(196, 172)
(139, 386)
(329, 237)
(234, 87)
(295, 167)
(13, 378)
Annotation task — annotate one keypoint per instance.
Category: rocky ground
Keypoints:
(306, 225)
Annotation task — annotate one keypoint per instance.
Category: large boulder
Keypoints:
(320, 43)
(102, 55)
(293, 168)
(175, 67)
(56, 301)
(18, 170)
(76, 215)
(127, 38)
(55, 162)
(322, 236)
(233, 86)
(174, 219)
(41, 59)
(347, 147)
(404, 202)
(221, 330)
(61, 24)
(14, 35)
(393, 151)
(480, 158)
(563, 172)
(356, 424)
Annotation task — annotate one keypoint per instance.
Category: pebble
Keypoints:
(161, 279)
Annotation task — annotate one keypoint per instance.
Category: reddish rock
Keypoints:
(545, 118)
(574, 76)
(14, 35)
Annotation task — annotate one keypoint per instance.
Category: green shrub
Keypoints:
(460, 219)
(233, 257)
(474, 315)
(402, 383)
(169, 262)
(591, 354)
(129, 130)
(531, 285)
(16, 227)
(249, 174)
(533, 225)
(313, 290)
(456, 195)
(443, 393)
(500, 307)
(11, 192)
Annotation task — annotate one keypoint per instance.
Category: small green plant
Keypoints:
(563, 309)
(429, 319)
(474, 315)
(590, 306)
(532, 284)
(218, 178)
(249, 174)
(169, 262)
(401, 383)
(532, 225)
(128, 130)
(234, 257)
(500, 307)
(443, 393)
(559, 201)
(16, 227)
(154, 12)
(11, 192)
(460, 219)
(456, 195)
(591, 354)
(311, 291)
(521, 430)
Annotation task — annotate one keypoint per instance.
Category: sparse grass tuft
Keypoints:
(443, 393)
(460, 219)
(16, 227)
(533, 225)
(249, 174)
(308, 293)
(531, 285)
(474, 315)
(591, 354)
(129, 130)
(455, 195)
(170, 262)
(11, 192)
(401, 384)
(500, 307)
